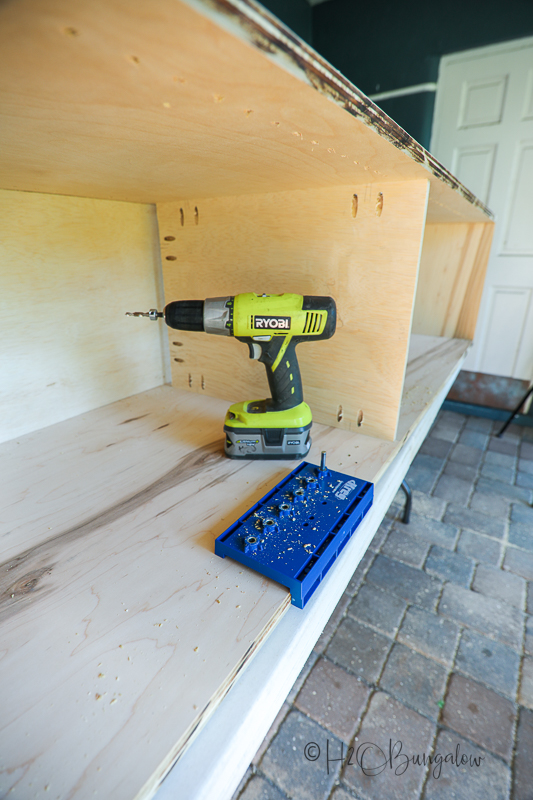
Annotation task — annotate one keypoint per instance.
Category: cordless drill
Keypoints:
(272, 326)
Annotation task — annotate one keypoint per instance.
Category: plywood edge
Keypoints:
(257, 26)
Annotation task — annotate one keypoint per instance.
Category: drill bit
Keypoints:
(153, 314)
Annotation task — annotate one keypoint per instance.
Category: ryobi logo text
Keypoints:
(279, 323)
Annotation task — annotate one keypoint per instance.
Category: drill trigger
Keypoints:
(255, 350)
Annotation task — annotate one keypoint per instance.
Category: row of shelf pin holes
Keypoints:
(360, 416)
(379, 204)
(182, 222)
(181, 361)
(202, 381)
(355, 207)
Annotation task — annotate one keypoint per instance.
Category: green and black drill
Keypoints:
(271, 325)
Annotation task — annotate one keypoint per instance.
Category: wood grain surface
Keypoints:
(452, 273)
(122, 101)
(120, 629)
(308, 242)
(69, 269)
(114, 610)
(239, 724)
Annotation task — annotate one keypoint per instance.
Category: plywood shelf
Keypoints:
(121, 630)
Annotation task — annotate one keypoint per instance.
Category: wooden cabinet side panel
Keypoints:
(452, 271)
(308, 242)
(466, 321)
(71, 267)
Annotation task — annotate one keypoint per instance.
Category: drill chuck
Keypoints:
(185, 315)
(212, 315)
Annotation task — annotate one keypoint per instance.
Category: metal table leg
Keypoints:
(408, 503)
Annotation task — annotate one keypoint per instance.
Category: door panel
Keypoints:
(482, 102)
(518, 237)
(474, 167)
(483, 131)
(508, 312)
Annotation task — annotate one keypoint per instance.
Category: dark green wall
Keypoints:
(296, 14)
(414, 113)
(390, 45)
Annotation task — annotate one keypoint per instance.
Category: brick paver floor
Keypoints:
(421, 685)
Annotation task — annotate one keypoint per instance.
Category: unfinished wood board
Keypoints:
(70, 268)
(237, 728)
(107, 546)
(452, 272)
(127, 101)
(120, 628)
(306, 242)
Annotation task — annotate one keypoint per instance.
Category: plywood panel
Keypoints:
(70, 268)
(308, 243)
(122, 100)
(452, 271)
(120, 629)
(134, 626)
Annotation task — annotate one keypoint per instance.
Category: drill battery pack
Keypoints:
(279, 443)
(251, 431)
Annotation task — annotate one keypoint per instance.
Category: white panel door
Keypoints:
(483, 132)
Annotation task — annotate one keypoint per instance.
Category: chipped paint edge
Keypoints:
(249, 21)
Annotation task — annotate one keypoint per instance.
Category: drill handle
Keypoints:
(284, 381)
